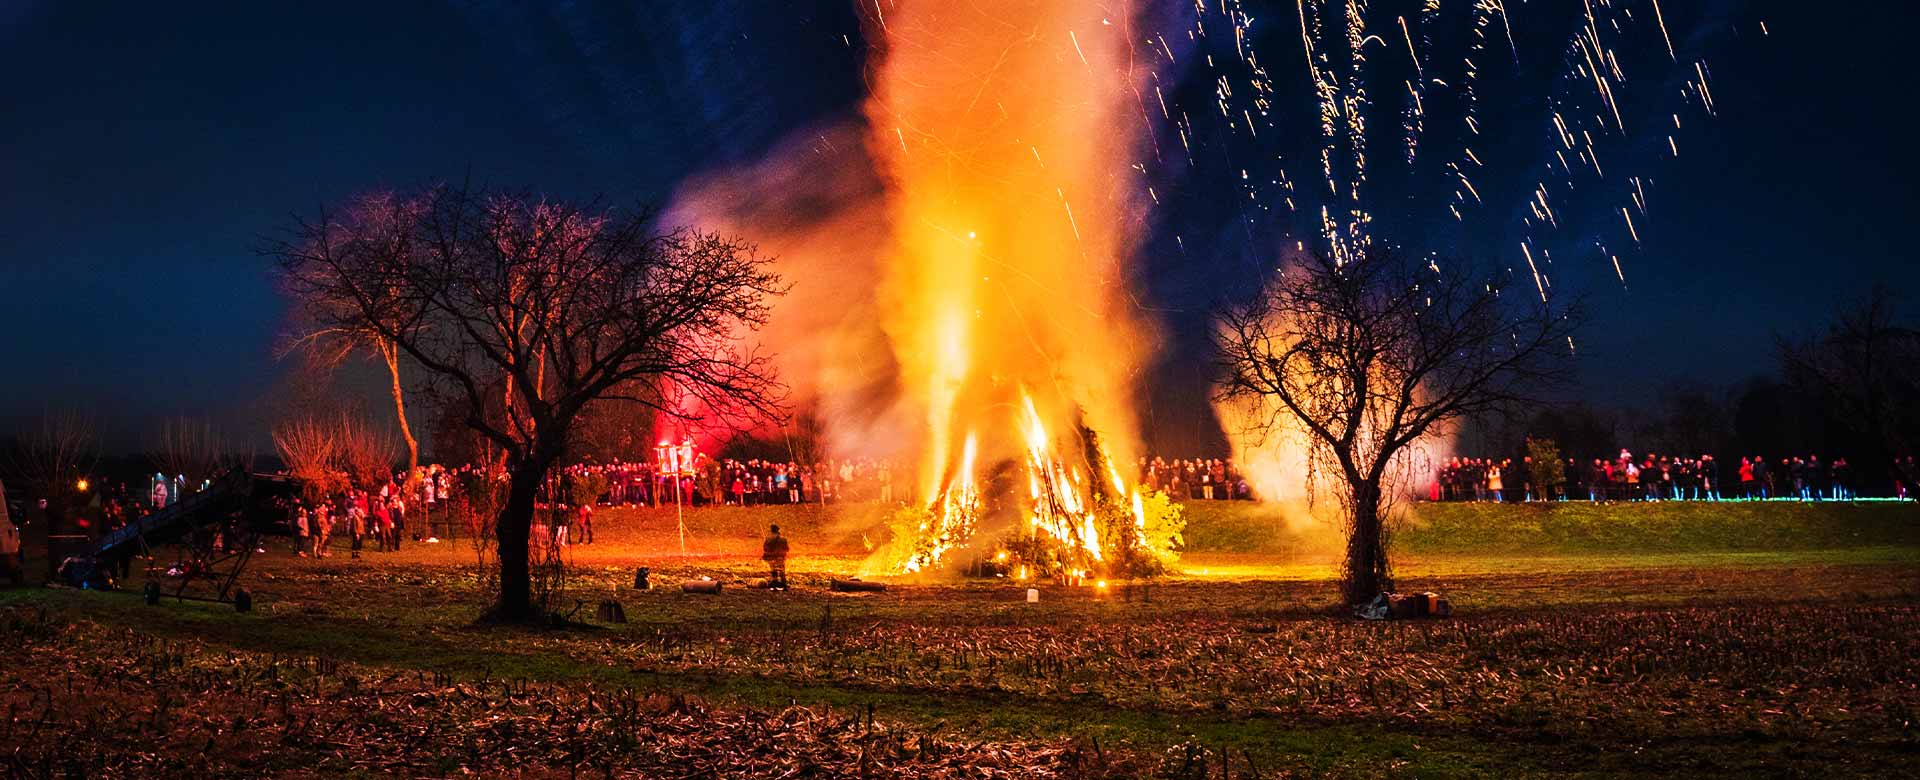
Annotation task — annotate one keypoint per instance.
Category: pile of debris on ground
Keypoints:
(1405, 606)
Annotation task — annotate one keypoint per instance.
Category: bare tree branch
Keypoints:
(1369, 354)
(556, 305)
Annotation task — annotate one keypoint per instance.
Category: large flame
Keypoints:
(1004, 133)
(960, 288)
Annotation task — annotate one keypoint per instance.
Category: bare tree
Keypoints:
(326, 329)
(612, 429)
(1690, 419)
(365, 453)
(191, 447)
(1865, 370)
(1369, 356)
(48, 459)
(569, 304)
(311, 450)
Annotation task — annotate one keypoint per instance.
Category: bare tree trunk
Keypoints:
(513, 530)
(391, 353)
(1367, 574)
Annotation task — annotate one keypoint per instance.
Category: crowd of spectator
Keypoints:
(709, 481)
(420, 506)
(1196, 479)
(379, 517)
(375, 518)
(1654, 477)
(766, 482)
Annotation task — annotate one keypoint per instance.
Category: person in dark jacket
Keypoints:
(1709, 478)
(774, 552)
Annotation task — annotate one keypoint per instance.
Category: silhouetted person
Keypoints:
(774, 552)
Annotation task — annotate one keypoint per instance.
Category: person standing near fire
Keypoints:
(583, 522)
(302, 531)
(322, 531)
(382, 523)
(357, 520)
(774, 552)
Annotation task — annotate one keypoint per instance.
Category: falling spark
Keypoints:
(1537, 284)
(1589, 109)
(1706, 94)
(1476, 193)
(1508, 23)
(1070, 221)
(1663, 30)
(1411, 54)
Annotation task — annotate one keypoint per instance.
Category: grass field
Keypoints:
(1613, 641)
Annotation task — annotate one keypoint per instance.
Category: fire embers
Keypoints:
(949, 523)
(1070, 528)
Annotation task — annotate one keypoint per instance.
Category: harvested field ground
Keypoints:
(1582, 649)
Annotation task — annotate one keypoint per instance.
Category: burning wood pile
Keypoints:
(1071, 529)
(975, 303)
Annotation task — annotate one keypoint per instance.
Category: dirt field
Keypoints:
(1736, 662)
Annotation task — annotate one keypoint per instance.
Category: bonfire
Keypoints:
(1072, 528)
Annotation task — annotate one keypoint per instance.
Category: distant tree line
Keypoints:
(1850, 388)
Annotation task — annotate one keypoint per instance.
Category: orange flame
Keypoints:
(976, 282)
(1002, 129)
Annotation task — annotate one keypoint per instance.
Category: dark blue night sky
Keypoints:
(146, 149)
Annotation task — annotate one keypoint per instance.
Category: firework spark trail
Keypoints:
(1662, 20)
(1412, 55)
(1537, 283)
(1354, 105)
(1596, 58)
(1706, 95)
(1334, 40)
(1309, 29)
